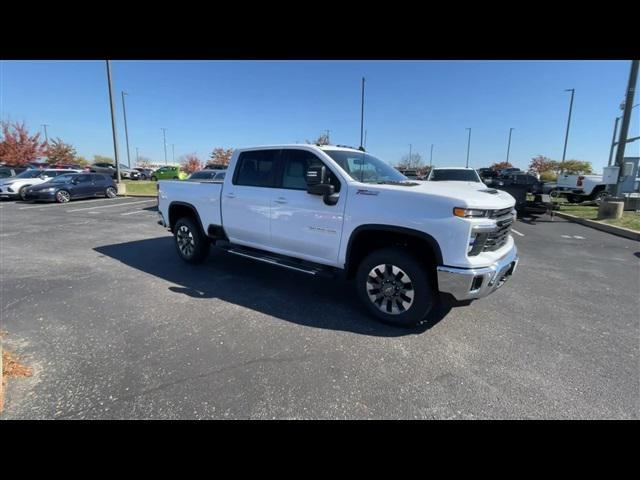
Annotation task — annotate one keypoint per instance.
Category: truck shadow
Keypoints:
(277, 292)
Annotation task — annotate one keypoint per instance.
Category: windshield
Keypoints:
(453, 175)
(65, 178)
(29, 174)
(366, 168)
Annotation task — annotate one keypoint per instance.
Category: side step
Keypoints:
(273, 259)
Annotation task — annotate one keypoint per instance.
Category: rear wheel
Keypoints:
(23, 192)
(191, 243)
(62, 196)
(111, 192)
(395, 287)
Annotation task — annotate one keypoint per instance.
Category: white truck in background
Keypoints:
(581, 188)
(328, 210)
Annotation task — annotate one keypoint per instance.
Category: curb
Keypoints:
(620, 231)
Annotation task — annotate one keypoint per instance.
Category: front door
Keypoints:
(246, 199)
(83, 187)
(303, 225)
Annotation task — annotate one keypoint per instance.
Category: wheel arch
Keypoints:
(179, 210)
(361, 243)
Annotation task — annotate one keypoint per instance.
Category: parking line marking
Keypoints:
(517, 232)
(137, 211)
(579, 237)
(565, 236)
(38, 207)
(111, 206)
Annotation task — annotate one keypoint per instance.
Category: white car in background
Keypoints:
(454, 174)
(15, 187)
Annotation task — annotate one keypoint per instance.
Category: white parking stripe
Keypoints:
(137, 211)
(578, 237)
(517, 232)
(111, 206)
(38, 207)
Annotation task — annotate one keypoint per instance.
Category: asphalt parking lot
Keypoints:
(116, 326)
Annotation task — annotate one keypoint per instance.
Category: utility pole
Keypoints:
(362, 116)
(468, 145)
(613, 140)
(126, 132)
(164, 136)
(431, 157)
(509, 144)
(113, 122)
(173, 153)
(626, 120)
(46, 137)
(137, 156)
(566, 137)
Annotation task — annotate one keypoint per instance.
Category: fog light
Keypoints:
(477, 282)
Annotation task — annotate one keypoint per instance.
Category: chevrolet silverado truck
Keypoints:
(330, 210)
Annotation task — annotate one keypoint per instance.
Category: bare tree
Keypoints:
(411, 163)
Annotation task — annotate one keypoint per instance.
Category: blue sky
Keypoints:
(206, 104)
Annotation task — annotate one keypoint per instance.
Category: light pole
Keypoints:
(173, 153)
(113, 122)
(46, 137)
(626, 120)
(365, 139)
(328, 131)
(566, 136)
(468, 146)
(409, 162)
(509, 144)
(126, 132)
(362, 116)
(137, 156)
(164, 137)
(431, 157)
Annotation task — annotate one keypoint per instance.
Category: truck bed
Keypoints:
(205, 196)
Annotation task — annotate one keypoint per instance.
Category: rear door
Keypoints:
(83, 188)
(246, 198)
(303, 225)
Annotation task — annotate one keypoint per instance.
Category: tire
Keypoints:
(62, 196)
(154, 178)
(22, 192)
(574, 198)
(405, 307)
(110, 192)
(191, 244)
(600, 196)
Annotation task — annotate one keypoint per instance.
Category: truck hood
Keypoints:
(460, 194)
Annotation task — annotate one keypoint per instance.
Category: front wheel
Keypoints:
(191, 243)
(395, 287)
(111, 192)
(62, 196)
(23, 192)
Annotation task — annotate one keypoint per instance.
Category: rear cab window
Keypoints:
(256, 168)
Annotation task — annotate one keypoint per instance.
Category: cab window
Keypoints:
(294, 170)
(256, 168)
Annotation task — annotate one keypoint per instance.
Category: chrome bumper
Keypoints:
(472, 283)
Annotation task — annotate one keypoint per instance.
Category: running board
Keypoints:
(281, 262)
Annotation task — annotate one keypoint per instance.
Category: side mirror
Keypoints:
(323, 189)
(316, 175)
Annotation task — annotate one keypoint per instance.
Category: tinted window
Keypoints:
(295, 166)
(202, 175)
(83, 179)
(454, 175)
(256, 168)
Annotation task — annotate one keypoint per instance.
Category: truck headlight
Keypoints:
(470, 212)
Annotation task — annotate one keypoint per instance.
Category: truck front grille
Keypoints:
(498, 238)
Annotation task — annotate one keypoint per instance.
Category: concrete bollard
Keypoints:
(122, 188)
(609, 209)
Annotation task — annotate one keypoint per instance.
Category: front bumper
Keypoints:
(473, 283)
(44, 196)
(6, 192)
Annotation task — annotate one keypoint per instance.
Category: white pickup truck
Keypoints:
(580, 188)
(337, 210)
